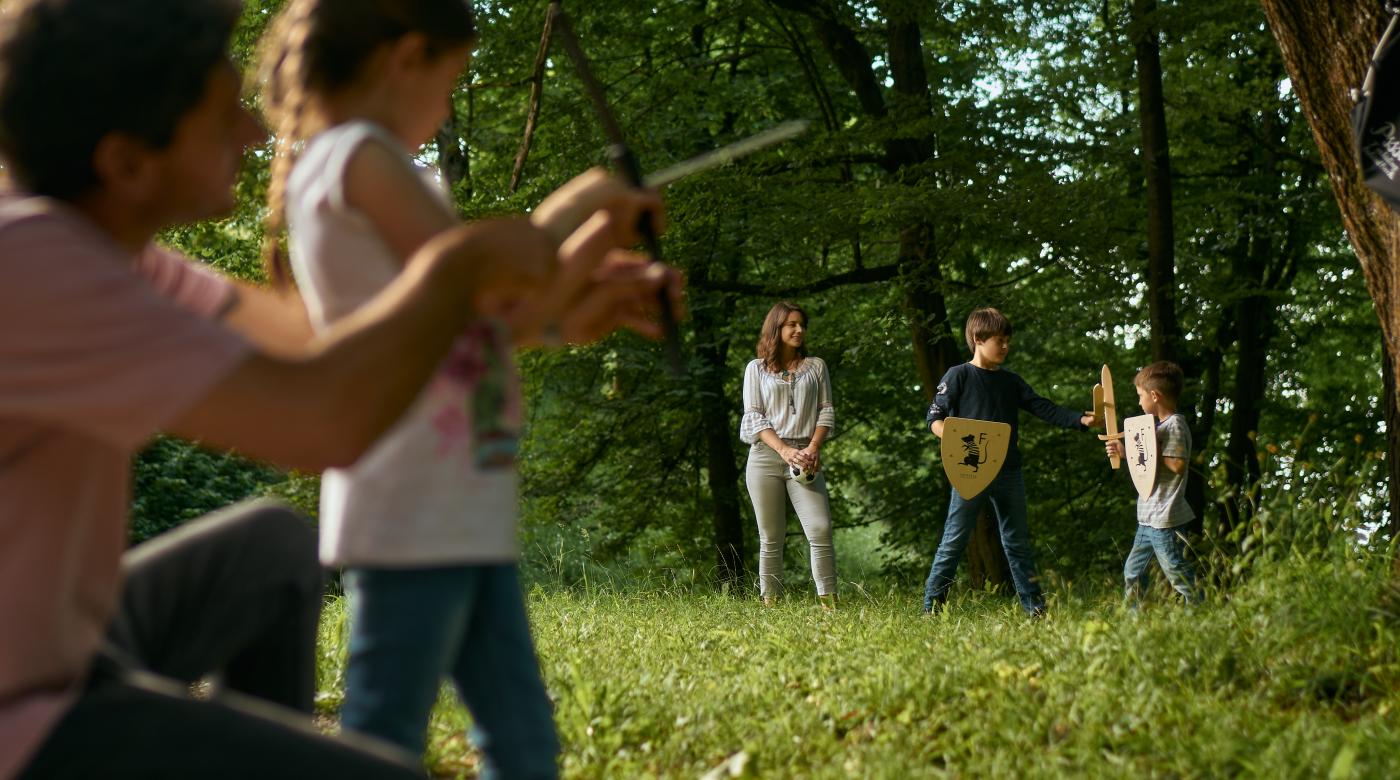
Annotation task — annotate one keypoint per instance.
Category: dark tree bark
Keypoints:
(935, 349)
(1166, 336)
(718, 412)
(1392, 439)
(1326, 46)
(1265, 268)
(1156, 162)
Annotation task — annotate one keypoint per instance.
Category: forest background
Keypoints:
(1126, 181)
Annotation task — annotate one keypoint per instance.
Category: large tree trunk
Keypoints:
(1327, 45)
(1166, 336)
(718, 423)
(1156, 163)
(935, 348)
(1265, 265)
(1241, 453)
(717, 410)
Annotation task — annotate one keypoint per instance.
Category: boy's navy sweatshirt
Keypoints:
(979, 394)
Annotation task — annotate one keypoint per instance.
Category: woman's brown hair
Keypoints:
(771, 335)
(319, 47)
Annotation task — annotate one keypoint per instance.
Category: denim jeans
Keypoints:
(1007, 494)
(411, 627)
(1170, 549)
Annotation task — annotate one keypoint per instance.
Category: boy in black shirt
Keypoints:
(982, 390)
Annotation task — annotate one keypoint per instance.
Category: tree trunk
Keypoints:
(1392, 439)
(1242, 453)
(935, 349)
(718, 422)
(1156, 163)
(1266, 265)
(1166, 336)
(717, 411)
(1327, 45)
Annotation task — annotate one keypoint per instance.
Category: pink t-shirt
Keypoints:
(98, 350)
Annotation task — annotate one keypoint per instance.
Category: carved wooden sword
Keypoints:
(1107, 409)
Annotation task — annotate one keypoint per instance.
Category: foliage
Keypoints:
(175, 481)
(1035, 203)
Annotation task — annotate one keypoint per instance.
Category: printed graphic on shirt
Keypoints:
(973, 452)
(1140, 447)
(487, 418)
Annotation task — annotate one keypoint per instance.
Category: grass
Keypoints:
(1293, 673)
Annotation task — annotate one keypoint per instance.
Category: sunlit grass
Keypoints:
(1294, 673)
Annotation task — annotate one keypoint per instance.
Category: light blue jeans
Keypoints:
(409, 628)
(1007, 494)
(1169, 546)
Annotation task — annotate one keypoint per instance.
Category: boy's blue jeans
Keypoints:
(1170, 549)
(1007, 494)
(411, 627)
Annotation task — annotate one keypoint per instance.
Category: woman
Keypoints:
(787, 416)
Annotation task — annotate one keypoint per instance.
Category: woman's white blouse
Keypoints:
(792, 407)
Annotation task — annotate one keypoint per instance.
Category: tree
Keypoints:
(1326, 46)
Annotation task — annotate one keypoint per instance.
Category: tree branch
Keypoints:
(858, 276)
(536, 92)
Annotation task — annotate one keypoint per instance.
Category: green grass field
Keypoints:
(1293, 672)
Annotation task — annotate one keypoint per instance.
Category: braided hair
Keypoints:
(317, 48)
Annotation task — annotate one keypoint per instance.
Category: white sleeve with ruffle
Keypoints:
(755, 417)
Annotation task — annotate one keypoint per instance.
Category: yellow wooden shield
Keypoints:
(1140, 450)
(973, 452)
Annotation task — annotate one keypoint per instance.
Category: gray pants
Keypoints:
(238, 592)
(768, 483)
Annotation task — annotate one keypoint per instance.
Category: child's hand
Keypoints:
(496, 259)
(570, 206)
(1090, 420)
(598, 290)
(1113, 448)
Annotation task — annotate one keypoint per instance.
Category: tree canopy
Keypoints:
(962, 154)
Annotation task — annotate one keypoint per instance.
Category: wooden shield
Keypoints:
(1140, 450)
(973, 452)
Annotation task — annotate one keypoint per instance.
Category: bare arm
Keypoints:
(1174, 465)
(273, 320)
(937, 427)
(585, 300)
(326, 407)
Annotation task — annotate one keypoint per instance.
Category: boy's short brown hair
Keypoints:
(983, 324)
(1163, 376)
